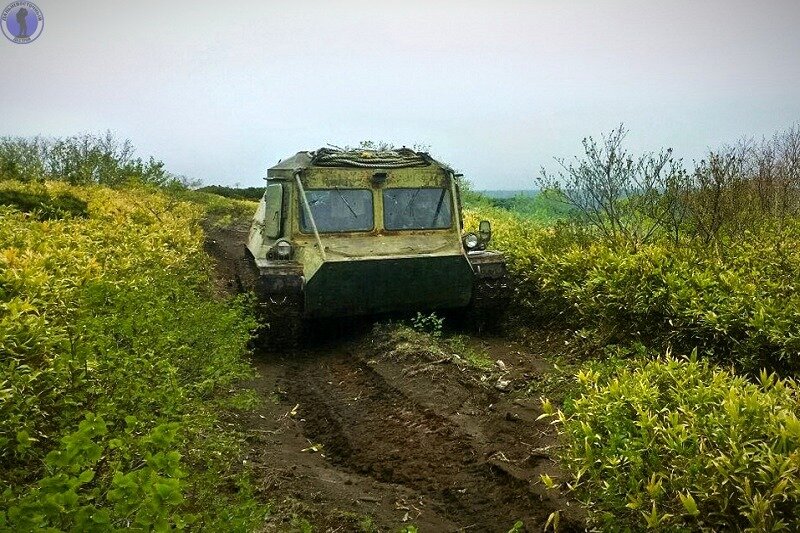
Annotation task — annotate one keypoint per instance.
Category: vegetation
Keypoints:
(79, 160)
(678, 443)
(727, 291)
(239, 193)
(702, 261)
(117, 365)
(625, 199)
(545, 206)
(217, 210)
(43, 205)
(428, 323)
(423, 336)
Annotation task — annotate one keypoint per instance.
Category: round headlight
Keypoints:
(470, 241)
(283, 249)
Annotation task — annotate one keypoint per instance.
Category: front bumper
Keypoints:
(370, 286)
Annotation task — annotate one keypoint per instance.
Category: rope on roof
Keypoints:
(399, 158)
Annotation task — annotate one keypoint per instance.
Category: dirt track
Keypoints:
(362, 430)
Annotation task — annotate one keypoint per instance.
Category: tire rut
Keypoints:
(372, 429)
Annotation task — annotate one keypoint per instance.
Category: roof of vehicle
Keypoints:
(352, 158)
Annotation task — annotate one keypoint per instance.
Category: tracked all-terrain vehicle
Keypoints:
(345, 233)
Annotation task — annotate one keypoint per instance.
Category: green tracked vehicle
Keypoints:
(346, 233)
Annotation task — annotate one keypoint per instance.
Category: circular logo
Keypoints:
(22, 22)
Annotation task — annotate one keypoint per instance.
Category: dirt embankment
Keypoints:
(370, 429)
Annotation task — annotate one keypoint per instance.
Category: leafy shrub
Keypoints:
(739, 308)
(529, 247)
(669, 444)
(116, 366)
(79, 160)
(708, 259)
(430, 323)
(622, 197)
(678, 444)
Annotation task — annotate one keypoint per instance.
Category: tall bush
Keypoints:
(79, 160)
(626, 199)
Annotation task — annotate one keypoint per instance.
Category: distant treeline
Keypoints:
(240, 193)
(508, 193)
(543, 205)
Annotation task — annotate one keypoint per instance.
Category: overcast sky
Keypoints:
(222, 90)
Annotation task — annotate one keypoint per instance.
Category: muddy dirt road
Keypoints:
(375, 428)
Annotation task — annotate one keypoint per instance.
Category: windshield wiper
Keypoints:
(411, 201)
(345, 202)
(438, 207)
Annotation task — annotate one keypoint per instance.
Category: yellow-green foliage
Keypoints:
(517, 237)
(538, 256)
(740, 306)
(674, 444)
(742, 309)
(219, 210)
(679, 444)
(114, 360)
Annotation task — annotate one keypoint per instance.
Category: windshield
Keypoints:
(416, 208)
(337, 210)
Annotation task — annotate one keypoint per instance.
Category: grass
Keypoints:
(459, 344)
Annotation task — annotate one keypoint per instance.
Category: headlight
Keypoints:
(283, 249)
(470, 241)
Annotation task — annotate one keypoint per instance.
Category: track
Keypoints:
(376, 431)
(359, 431)
(353, 433)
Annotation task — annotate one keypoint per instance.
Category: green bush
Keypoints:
(428, 323)
(79, 160)
(679, 444)
(711, 268)
(708, 259)
(739, 308)
(117, 364)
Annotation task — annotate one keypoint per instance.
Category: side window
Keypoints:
(273, 200)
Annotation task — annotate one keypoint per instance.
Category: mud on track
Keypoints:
(398, 440)
(361, 431)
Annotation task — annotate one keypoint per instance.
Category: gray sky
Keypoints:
(222, 90)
